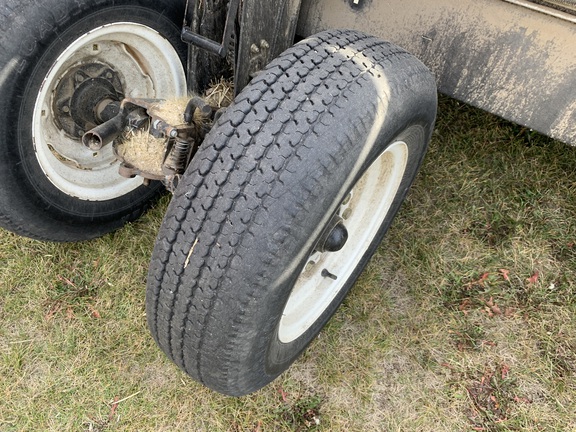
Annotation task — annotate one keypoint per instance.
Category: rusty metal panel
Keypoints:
(516, 62)
(266, 29)
(206, 18)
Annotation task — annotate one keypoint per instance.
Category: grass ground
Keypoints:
(463, 321)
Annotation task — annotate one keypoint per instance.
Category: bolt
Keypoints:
(66, 109)
(326, 273)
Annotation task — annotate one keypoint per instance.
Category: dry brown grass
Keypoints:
(434, 337)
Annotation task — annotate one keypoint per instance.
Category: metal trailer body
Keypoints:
(514, 58)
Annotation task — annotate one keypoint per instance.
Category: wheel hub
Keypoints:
(334, 237)
(84, 98)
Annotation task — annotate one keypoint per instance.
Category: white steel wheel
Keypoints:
(142, 64)
(66, 65)
(326, 273)
(283, 206)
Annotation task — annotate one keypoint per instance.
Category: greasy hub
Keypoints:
(82, 98)
(110, 62)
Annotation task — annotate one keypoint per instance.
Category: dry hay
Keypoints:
(146, 153)
(171, 110)
(220, 94)
(143, 151)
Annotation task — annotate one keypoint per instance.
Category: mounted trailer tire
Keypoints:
(62, 62)
(284, 204)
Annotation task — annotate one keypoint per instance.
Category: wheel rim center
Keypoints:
(334, 236)
(83, 97)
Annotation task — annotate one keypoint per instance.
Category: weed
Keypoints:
(492, 393)
(469, 336)
(302, 414)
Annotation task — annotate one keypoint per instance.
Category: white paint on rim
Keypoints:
(370, 202)
(382, 94)
(149, 67)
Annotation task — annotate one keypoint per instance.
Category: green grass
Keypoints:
(464, 320)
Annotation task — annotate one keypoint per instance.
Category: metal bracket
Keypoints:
(209, 45)
(266, 29)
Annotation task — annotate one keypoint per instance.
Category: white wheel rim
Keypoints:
(364, 213)
(149, 68)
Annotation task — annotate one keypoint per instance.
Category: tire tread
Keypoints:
(212, 222)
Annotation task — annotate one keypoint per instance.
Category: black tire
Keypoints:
(51, 189)
(330, 115)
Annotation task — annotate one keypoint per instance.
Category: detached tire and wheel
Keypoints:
(62, 62)
(284, 204)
